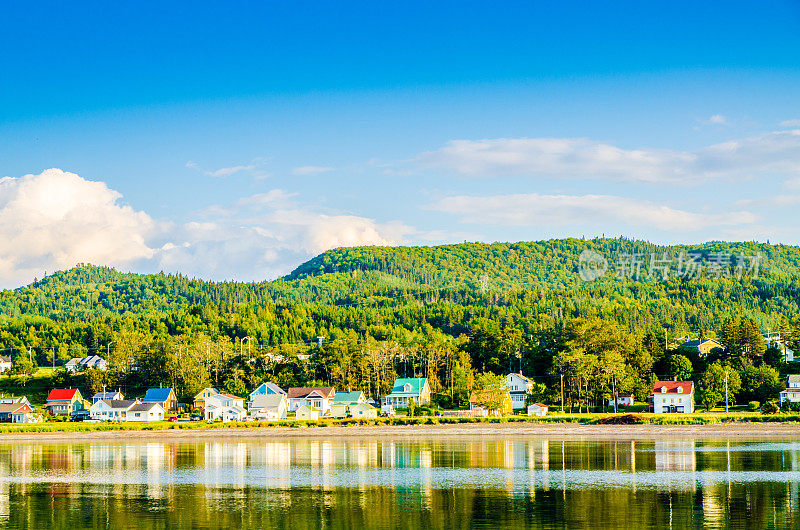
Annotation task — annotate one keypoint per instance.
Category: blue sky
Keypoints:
(237, 140)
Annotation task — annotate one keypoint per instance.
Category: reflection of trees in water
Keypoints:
(365, 483)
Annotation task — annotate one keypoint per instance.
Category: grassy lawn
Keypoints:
(36, 387)
(585, 418)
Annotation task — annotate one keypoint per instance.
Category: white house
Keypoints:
(24, 414)
(519, 387)
(269, 407)
(406, 389)
(307, 413)
(224, 407)
(673, 396)
(111, 409)
(264, 389)
(792, 391)
(107, 395)
(623, 400)
(537, 409)
(145, 412)
(7, 400)
(85, 363)
(5, 364)
(318, 398)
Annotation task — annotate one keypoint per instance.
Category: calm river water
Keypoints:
(463, 483)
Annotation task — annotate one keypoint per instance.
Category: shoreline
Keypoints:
(565, 431)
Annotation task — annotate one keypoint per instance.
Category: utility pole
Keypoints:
(665, 339)
(726, 391)
(562, 393)
(108, 348)
(54, 358)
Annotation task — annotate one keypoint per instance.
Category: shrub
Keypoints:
(770, 407)
(753, 405)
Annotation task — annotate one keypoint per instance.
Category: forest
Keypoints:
(359, 317)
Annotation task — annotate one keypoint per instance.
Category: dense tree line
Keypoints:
(358, 318)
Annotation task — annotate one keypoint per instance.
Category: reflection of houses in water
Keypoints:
(675, 455)
(5, 500)
(277, 461)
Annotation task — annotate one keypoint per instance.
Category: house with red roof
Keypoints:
(673, 396)
(65, 401)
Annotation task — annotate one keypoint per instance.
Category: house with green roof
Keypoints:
(406, 388)
(343, 403)
(349, 398)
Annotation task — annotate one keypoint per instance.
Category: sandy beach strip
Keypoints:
(574, 431)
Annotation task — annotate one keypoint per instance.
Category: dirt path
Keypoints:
(740, 431)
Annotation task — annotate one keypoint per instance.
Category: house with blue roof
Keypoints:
(163, 396)
(406, 388)
(265, 389)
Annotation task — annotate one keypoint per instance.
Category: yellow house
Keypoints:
(503, 404)
(363, 410)
(200, 399)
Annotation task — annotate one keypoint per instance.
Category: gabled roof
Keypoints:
(417, 383)
(156, 395)
(230, 396)
(520, 376)
(267, 401)
(119, 403)
(62, 394)
(324, 391)
(267, 388)
(673, 386)
(144, 407)
(10, 408)
(345, 398)
(91, 360)
(364, 406)
(540, 405)
(5, 359)
(105, 395)
(694, 343)
(213, 391)
(14, 399)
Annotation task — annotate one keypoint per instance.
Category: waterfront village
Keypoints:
(270, 402)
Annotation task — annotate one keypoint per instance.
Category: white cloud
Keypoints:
(793, 184)
(56, 219)
(266, 235)
(775, 152)
(571, 210)
(225, 171)
(780, 201)
(717, 119)
(790, 123)
(311, 170)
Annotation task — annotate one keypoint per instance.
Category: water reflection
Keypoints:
(433, 483)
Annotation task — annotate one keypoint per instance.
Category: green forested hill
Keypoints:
(527, 279)
(409, 299)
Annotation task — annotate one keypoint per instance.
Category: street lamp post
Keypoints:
(241, 346)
